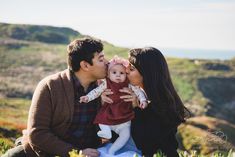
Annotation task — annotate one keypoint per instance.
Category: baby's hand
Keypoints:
(143, 104)
(83, 99)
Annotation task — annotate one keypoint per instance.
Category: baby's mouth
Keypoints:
(118, 80)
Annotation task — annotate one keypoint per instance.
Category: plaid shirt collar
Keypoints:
(79, 88)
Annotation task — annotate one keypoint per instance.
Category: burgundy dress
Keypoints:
(119, 111)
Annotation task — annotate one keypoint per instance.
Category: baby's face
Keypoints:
(117, 73)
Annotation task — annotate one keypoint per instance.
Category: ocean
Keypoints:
(198, 53)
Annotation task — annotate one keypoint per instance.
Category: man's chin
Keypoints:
(102, 77)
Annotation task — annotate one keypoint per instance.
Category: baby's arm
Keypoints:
(95, 93)
(140, 95)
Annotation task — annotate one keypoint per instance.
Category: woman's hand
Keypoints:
(105, 98)
(129, 97)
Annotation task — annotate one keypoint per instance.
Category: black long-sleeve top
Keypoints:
(151, 133)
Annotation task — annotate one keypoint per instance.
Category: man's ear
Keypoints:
(84, 65)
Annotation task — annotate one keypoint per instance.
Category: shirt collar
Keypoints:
(79, 86)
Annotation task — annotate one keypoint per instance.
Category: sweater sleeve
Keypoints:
(41, 137)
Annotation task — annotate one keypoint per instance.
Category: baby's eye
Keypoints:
(114, 72)
(121, 73)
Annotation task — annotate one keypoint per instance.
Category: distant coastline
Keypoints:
(199, 53)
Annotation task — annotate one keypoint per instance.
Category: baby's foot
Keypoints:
(104, 134)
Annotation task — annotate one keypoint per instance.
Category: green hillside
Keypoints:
(206, 87)
(47, 34)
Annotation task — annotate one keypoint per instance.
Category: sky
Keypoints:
(189, 24)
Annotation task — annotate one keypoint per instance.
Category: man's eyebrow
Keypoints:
(101, 56)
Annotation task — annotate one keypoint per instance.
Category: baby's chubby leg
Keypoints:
(105, 131)
(123, 130)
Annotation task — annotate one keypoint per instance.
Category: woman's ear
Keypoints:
(84, 65)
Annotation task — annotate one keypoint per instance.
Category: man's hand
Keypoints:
(89, 152)
(83, 99)
(25, 137)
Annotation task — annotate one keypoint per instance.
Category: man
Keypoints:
(57, 122)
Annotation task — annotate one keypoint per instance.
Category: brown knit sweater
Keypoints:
(50, 116)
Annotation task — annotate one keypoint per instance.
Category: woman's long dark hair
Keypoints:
(158, 85)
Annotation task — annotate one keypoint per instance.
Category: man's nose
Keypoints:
(106, 61)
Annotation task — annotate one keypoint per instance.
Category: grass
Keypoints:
(111, 50)
(229, 153)
(13, 117)
(5, 144)
(184, 88)
(206, 135)
(16, 111)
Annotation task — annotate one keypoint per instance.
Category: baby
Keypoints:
(116, 116)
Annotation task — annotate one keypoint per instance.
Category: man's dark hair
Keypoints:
(82, 50)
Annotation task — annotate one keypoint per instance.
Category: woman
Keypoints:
(154, 127)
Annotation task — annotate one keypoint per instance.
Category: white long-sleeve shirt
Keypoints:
(95, 93)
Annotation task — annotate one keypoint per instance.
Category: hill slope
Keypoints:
(47, 34)
(206, 135)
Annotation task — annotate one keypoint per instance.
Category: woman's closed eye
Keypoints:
(132, 68)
